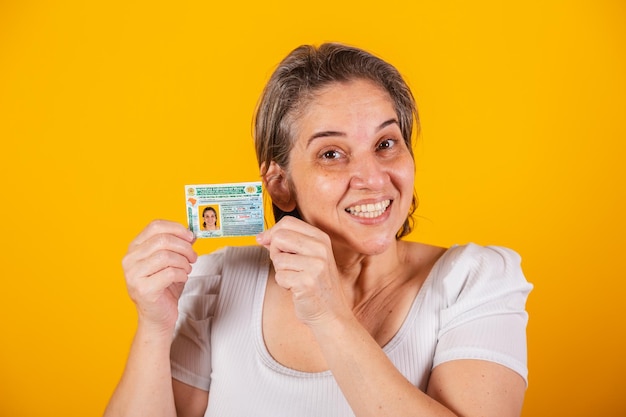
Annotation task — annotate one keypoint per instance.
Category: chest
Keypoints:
(292, 344)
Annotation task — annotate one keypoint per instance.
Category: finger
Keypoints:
(150, 289)
(294, 242)
(158, 261)
(158, 243)
(309, 295)
(292, 223)
(158, 227)
(285, 261)
(287, 223)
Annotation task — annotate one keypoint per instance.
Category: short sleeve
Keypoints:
(191, 347)
(484, 314)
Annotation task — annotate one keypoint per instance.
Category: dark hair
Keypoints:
(299, 76)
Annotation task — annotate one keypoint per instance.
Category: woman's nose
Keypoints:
(368, 173)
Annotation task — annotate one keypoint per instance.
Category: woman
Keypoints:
(209, 215)
(333, 314)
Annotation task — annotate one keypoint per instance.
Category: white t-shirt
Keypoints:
(471, 306)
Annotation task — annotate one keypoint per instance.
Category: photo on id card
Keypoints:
(225, 210)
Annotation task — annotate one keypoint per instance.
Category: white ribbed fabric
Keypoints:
(471, 306)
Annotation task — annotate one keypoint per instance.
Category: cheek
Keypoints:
(404, 178)
(410, 177)
(406, 170)
(317, 190)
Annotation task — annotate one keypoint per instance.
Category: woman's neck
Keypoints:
(362, 275)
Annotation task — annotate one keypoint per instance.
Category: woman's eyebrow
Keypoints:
(387, 123)
(324, 134)
(329, 133)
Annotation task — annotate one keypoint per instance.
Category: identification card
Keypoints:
(224, 210)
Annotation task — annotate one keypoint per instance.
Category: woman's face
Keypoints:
(209, 218)
(350, 168)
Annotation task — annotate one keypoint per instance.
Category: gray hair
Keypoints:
(301, 74)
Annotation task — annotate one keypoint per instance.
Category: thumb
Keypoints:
(263, 239)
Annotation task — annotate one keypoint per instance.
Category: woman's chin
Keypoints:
(369, 247)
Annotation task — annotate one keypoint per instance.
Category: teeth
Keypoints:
(369, 211)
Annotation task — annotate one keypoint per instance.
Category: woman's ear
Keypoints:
(277, 185)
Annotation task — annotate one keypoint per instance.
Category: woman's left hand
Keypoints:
(303, 260)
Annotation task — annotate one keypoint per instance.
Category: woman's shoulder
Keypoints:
(486, 258)
(467, 249)
(470, 255)
(421, 256)
(478, 269)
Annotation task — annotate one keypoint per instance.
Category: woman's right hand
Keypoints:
(156, 268)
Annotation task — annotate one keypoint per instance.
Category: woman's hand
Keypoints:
(304, 264)
(156, 268)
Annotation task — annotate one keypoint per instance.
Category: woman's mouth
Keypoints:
(369, 211)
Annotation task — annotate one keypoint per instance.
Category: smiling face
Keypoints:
(350, 169)
(209, 218)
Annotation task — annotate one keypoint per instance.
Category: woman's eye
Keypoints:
(330, 155)
(387, 143)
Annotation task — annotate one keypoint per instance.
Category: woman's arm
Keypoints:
(147, 388)
(304, 264)
(146, 384)
(477, 388)
(368, 379)
(190, 401)
(374, 387)
(156, 268)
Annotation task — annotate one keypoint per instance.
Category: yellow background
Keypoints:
(103, 105)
